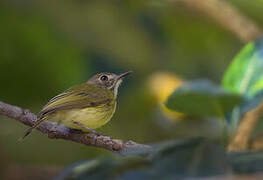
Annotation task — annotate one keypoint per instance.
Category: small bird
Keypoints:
(84, 107)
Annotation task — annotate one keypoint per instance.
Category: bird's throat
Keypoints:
(116, 87)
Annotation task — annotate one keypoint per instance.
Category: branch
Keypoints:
(257, 143)
(242, 139)
(227, 16)
(61, 132)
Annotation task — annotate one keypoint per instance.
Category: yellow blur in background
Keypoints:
(161, 86)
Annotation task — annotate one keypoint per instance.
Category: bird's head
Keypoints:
(108, 80)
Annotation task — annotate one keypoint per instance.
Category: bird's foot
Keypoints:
(52, 132)
(89, 129)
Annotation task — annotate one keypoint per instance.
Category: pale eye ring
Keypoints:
(104, 78)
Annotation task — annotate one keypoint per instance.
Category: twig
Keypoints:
(242, 139)
(102, 141)
(227, 16)
(257, 143)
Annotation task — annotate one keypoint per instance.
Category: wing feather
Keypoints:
(81, 96)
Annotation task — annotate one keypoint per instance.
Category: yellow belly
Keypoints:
(91, 117)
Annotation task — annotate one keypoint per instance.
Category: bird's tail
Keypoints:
(29, 130)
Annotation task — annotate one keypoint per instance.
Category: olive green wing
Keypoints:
(81, 96)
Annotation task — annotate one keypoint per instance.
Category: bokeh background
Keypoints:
(48, 46)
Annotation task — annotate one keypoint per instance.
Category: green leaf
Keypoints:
(245, 74)
(202, 98)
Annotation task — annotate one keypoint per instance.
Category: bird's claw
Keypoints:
(90, 130)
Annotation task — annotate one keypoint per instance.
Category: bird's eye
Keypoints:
(104, 78)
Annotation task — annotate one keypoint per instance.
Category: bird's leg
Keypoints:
(53, 130)
(88, 129)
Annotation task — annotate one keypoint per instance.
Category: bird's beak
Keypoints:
(123, 75)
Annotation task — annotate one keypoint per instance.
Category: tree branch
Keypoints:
(242, 139)
(102, 141)
(223, 13)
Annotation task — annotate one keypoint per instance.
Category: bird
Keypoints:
(84, 107)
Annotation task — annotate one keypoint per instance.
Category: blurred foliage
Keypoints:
(33, 53)
(202, 99)
(244, 75)
(48, 46)
(242, 92)
(169, 160)
(181, 159)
